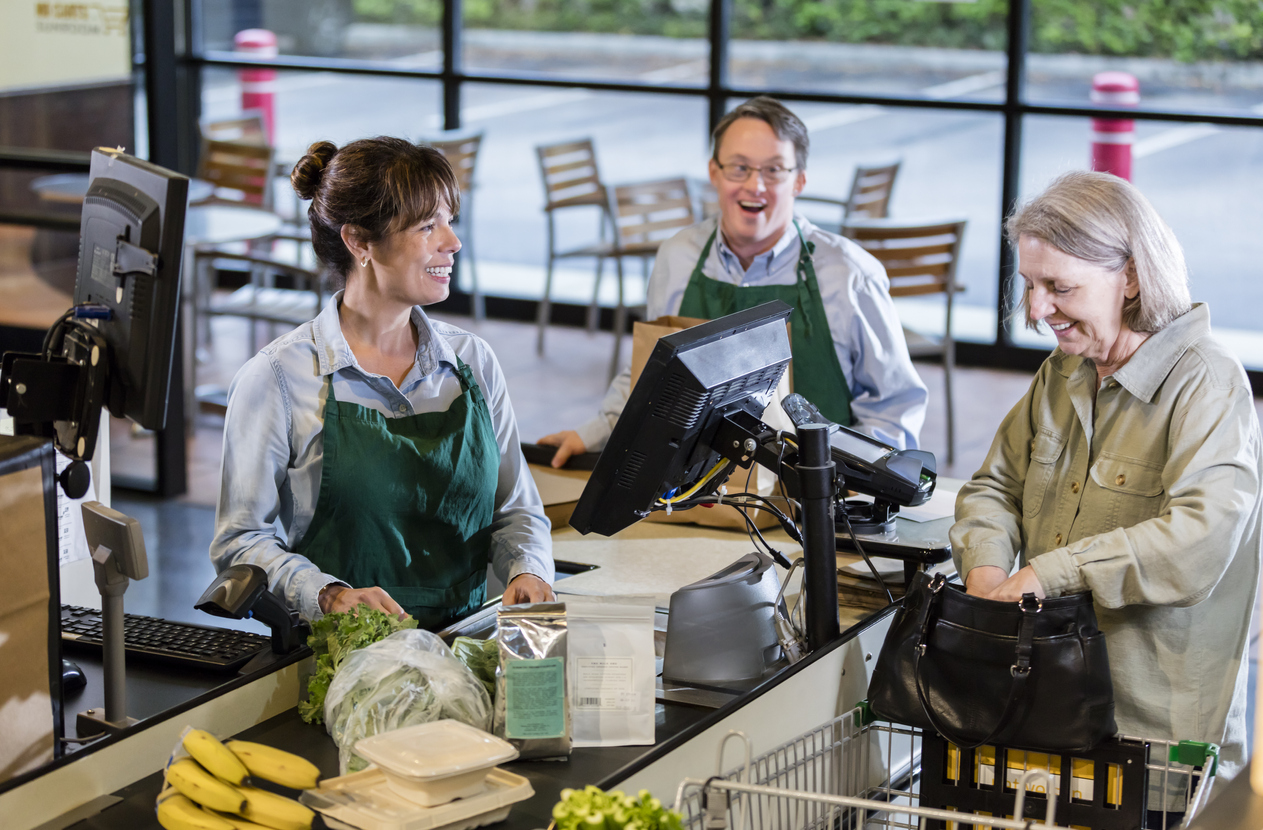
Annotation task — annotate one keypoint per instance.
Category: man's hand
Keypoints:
(567, 442)
(1007, 588)
(525, 588)
(341, 598)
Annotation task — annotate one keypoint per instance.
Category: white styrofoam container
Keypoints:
(366, 801)
(434, 763)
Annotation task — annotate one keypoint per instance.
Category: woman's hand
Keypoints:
(984, 579)
(527, 588)
(1008, 588)
(341, 598)
(567, 442)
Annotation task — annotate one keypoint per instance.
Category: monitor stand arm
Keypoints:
(112, 584)
(811, 475)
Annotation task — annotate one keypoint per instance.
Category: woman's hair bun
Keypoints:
(310, 169)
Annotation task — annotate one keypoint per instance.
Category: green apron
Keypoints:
(406, 503)
(818, 375)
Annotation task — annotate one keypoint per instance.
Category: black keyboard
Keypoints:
(164, 641)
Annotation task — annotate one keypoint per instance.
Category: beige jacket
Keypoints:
(1146, 492)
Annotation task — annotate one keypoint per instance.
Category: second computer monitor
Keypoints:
(662, 441)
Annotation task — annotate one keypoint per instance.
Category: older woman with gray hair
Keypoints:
(1131, 468)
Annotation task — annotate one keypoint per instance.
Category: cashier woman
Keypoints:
(372, 455)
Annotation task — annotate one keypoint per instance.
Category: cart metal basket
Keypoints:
(856, 772)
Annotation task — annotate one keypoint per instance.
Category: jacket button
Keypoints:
(1121, 480)
(1074, 488)
(1058, 539)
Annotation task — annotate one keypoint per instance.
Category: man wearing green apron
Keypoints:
(849, 353)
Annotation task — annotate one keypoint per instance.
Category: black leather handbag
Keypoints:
(1032, 674)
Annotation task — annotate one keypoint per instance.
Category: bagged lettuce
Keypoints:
(482, 657)
(410, 677)
(333, 638)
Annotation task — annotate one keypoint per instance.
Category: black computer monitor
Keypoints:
(662, 443)
(130, 240)
(115, 347)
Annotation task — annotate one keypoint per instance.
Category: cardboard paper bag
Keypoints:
(27, 732)
(644, 338)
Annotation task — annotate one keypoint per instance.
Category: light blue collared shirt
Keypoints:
(887, 395)
(273, 448)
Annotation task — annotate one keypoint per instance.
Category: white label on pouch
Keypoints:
(604, 683)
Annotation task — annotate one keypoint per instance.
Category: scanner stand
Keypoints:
(867, 517)
(112, 583)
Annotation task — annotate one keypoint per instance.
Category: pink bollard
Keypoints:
(258, 86)
(1112, 137)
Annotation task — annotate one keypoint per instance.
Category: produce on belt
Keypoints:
(196, 799)
(276, 765)
(175, 812)
(593, 809)
(214, 756)
(272, 810)
(482, 657)
(239, 823)
(409, 678)
(195, 783)
(332, 638)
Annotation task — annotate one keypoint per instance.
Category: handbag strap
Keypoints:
(1020, 670)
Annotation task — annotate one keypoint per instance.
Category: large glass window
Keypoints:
(937, 50)
(661, 42)
(401, 32)
(313, 106)
(1186, 56)
(635, 138)
(1200, 58)
(948, 169)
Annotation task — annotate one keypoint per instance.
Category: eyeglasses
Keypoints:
(772, 174)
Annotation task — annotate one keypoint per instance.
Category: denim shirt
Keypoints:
(888, 397)
(1144, 489)
(273, 448)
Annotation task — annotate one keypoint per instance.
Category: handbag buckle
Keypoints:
(1015, 670)
(937, 583)
(1030, 603)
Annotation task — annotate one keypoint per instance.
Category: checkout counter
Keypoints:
(122, 774)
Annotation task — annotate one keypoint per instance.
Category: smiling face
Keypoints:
(414, 266)
(1081, 302)
(755, 213)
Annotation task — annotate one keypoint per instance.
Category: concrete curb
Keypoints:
(815, 55)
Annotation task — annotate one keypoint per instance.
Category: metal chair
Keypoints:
(871, 189)
(260, 300)
(645, 215)
(571, 180)
(920, 259)
(462, 153)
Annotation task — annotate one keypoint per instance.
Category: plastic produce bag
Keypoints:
(408, 678)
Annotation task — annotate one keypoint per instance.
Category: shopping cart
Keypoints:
(856, 773)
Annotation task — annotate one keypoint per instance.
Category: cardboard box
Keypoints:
(560, 491)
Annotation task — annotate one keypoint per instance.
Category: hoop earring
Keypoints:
(364, 262)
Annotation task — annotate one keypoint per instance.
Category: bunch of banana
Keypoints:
(212, 790)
